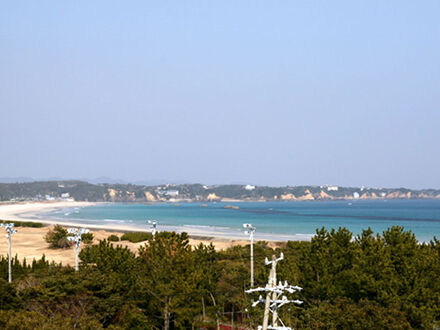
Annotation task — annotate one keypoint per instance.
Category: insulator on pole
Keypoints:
(275, 296)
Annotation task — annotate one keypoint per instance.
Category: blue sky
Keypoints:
(277, 93)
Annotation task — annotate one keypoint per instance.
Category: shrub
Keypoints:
(63, 243)
(113, 238)
(24, 223)
(57, 238)
(135, 237)
(8, 296)
(87, 238)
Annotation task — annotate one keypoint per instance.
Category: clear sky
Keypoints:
(264, 92)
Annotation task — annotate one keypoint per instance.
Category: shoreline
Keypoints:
(34, 212)
(29, 242)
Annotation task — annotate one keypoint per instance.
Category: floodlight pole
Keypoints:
(9, 228)
(153, 224)
(76, 258)
(76, 238)
(9, 259)
(252, 258)
(250, 231)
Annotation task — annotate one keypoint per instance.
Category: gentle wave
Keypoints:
(204, 226)
(118, 220)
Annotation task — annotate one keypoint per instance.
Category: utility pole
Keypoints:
(250, 231)
(270, 284)
(9, 228)
(76, 238)
(273, 294)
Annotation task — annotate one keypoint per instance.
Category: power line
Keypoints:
(275, 297)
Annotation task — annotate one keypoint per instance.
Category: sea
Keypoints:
(273, 220)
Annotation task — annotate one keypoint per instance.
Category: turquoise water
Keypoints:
(277, 218)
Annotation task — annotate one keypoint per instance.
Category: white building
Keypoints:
(172, 193)
(249, 187)
(332, 188)
(355, 195)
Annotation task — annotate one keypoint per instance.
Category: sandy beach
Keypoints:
(32, 211)
(29, 243)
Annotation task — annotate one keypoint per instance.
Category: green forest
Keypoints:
(368, 281)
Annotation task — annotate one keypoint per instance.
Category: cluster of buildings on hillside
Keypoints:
(167, 191)
(38, 198)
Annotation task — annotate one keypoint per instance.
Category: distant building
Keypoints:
(355, 195)
(49, 198)
(172, 193)
(249, 187)
(65, 195)
(332, 188)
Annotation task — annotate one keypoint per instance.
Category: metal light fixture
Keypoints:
(76, 238)
(153, 226)
(9, 228)
(250, 231)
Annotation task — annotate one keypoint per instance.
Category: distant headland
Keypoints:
(113, 192)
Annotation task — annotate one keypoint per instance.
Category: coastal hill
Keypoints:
(84, 191)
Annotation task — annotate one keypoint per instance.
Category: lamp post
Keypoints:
(76, 238)
(153, 224)
(9, 228)
(250, 231)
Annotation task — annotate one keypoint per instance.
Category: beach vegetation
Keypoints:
(135, 237)
(113, 238)
(87, 238)
(30, 224)
(57, 238)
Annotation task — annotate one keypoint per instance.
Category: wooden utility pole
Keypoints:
(274, 296)
(271, 283)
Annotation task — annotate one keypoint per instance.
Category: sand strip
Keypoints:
(29, 243)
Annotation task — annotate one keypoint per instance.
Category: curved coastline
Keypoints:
(38, 212)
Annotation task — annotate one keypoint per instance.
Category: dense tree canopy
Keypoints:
(386, 281)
